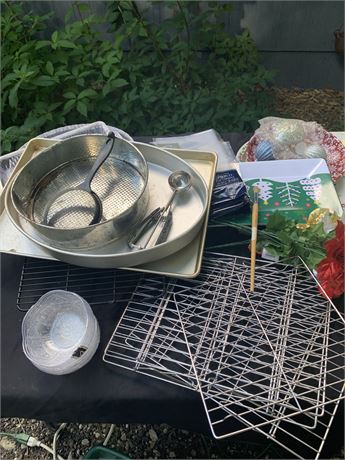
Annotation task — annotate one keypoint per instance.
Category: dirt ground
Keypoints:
(325, 106)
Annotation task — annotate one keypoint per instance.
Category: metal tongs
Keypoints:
(160, 218)
(157, 218)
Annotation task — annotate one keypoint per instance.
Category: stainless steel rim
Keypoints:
(43, 226)
(70, 253)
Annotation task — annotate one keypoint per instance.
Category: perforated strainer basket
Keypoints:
(120, 183)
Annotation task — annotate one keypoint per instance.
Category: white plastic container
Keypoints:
(60, 333)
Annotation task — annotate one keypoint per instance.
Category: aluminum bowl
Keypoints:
(124, 197)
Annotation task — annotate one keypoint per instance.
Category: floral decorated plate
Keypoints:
(334, 147)
(292, 187)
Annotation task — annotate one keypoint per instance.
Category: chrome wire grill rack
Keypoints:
(272, 360)
(149, 338)
(96, 286)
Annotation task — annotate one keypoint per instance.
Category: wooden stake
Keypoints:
(255, 214)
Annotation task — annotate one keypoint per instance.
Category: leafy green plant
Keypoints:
(283, 238)
(144, 78)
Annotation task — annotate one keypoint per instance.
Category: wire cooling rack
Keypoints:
(149, 338)
(96, 286)
(271, 360)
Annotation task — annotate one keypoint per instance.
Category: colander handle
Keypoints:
(102, 156)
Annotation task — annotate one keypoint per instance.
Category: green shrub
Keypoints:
(145, 79)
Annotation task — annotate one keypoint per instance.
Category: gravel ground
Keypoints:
(135, 441)
(161, 441)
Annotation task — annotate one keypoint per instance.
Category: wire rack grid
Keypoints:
(270, 361)
(149, 338)
(96, 286)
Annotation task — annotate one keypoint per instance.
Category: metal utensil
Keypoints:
(79, 206)
(179, 181)
(166, 227)
(121, 185)
(144, 226)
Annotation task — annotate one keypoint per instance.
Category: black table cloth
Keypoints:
(96, 393)
(100, 392)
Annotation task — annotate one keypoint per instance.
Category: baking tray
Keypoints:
(183, 263)
(188, 216)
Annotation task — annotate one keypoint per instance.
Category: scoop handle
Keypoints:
(102, 156)
(166, 227)
(150, 220)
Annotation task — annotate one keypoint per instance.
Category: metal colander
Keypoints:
(120, 183)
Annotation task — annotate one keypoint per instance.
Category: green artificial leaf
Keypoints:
(292, 241)
(276, 222)
(313, 259)
(317, 230)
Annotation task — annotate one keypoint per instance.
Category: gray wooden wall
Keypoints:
(297, 38)
(294, 37)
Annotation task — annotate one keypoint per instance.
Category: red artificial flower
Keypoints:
(330, 271)
(339, 231)
(330, 274)
(335, 247)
